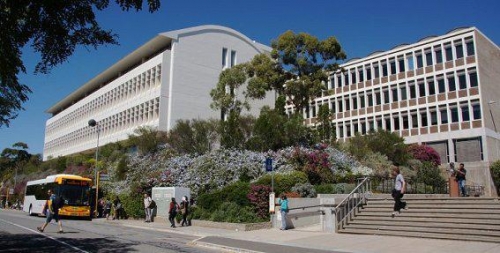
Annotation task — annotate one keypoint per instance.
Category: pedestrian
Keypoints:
(51, 210)
(172, 212)
(117, 204)
(107, 208)
(184, 206)
(283, 202)
(460, 177)
(398, 191)
(147, 207)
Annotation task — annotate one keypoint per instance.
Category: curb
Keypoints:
(223, 248)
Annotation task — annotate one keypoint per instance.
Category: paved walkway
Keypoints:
(311, 239)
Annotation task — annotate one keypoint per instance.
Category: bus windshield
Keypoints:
(75, 195)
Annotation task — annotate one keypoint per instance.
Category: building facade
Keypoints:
(443, 91)
(167, 79)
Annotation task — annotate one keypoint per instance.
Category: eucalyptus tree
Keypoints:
(54, 29)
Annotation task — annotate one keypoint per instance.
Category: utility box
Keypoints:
(163, 196)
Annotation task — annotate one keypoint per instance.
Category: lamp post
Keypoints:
(93, 123)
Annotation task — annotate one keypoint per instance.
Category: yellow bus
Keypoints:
(75, 190)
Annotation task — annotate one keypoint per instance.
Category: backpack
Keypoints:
(58, 203)
(153, 204)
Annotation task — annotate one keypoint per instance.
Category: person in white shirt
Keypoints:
(147, 208)
(398, 191)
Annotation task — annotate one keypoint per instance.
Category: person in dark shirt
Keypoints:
(460, 176)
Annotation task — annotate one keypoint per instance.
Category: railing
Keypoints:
(386, 184)
(348, 207)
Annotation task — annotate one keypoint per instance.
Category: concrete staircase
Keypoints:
(473, 219)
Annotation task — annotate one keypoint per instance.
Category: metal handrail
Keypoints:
(348, 207)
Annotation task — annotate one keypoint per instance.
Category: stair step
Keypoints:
(461, 220)
(457, 232)
(495, 211)
(437, 205)
(433, 215)
(429, 224)
(420, 235)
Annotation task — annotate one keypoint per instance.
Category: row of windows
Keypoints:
(139, 84)
(422, 87)
(434, 54)
(413, 119)
(132, 117)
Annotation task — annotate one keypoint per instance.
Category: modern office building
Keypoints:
(167, 79)
(442, 91)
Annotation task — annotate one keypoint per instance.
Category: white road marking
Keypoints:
(48, 236)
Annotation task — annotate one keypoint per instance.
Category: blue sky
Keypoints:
(361, 27)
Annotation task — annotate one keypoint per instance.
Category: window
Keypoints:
(451, 82)
(414, 119)
(459, 48)
(233, 58)
(332, 104)
(405, 121)
(376, 70)
(444, 115)
(403, 91)
(394, 91)
(339, 80)
(441, 84)
(353, 76)
(347, 104)
(341, 108)
(224, 57)
(387, 124)
(421, 88)
(476, 110)
(434, 119)
(386, 96)
(396, 122)
(473, 78)
(341, 131)
(368, 72)
(378, 99)
(362, 100)
(469, 43)
(462, 81)
(432, 87)
(354, 103)
(409, 59)
(370, 99)
(393, 66)
(454, 113)
(420, 60)
(439, 54)
(465, 112)
(384, 68)
(361, 75)
(423, 118)
(401, 61)
(428, 57)
(346, 78)
(413, 91)
(448, 51)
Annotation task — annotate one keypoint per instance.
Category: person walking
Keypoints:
(147, 207)
(117, 204)
(398, 191)
(172, 212)
(283, 202)
(184, 206)
(460, 177)
(51, 209)
(107, 208)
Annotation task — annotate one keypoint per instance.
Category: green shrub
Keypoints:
(236, 192)
(283, 182)
(495, 175)
(133, 205)
(324, 189)
(305, 190)
(232, 212)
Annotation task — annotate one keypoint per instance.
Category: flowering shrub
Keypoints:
(259, 197)
(305, 190)
(425, 154)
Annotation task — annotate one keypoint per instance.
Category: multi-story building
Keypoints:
(443, 91)
(167, 79)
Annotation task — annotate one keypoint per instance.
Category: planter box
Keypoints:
(232, 226)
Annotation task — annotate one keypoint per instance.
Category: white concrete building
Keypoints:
(167, 79)
(443, 91)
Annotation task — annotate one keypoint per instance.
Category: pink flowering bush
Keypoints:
(259, 197)
(425, 153)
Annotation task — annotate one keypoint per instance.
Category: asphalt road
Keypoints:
(18, 233)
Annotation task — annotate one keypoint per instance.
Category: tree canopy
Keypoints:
(53, 29)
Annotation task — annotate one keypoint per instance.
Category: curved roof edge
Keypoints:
(147, 49)
(196, 29)
(456, 29)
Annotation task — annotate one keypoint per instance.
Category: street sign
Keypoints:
(269, 164)
(103, 177)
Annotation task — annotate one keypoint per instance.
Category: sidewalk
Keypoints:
(311, 239)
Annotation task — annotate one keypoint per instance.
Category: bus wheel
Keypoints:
(30, 213)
